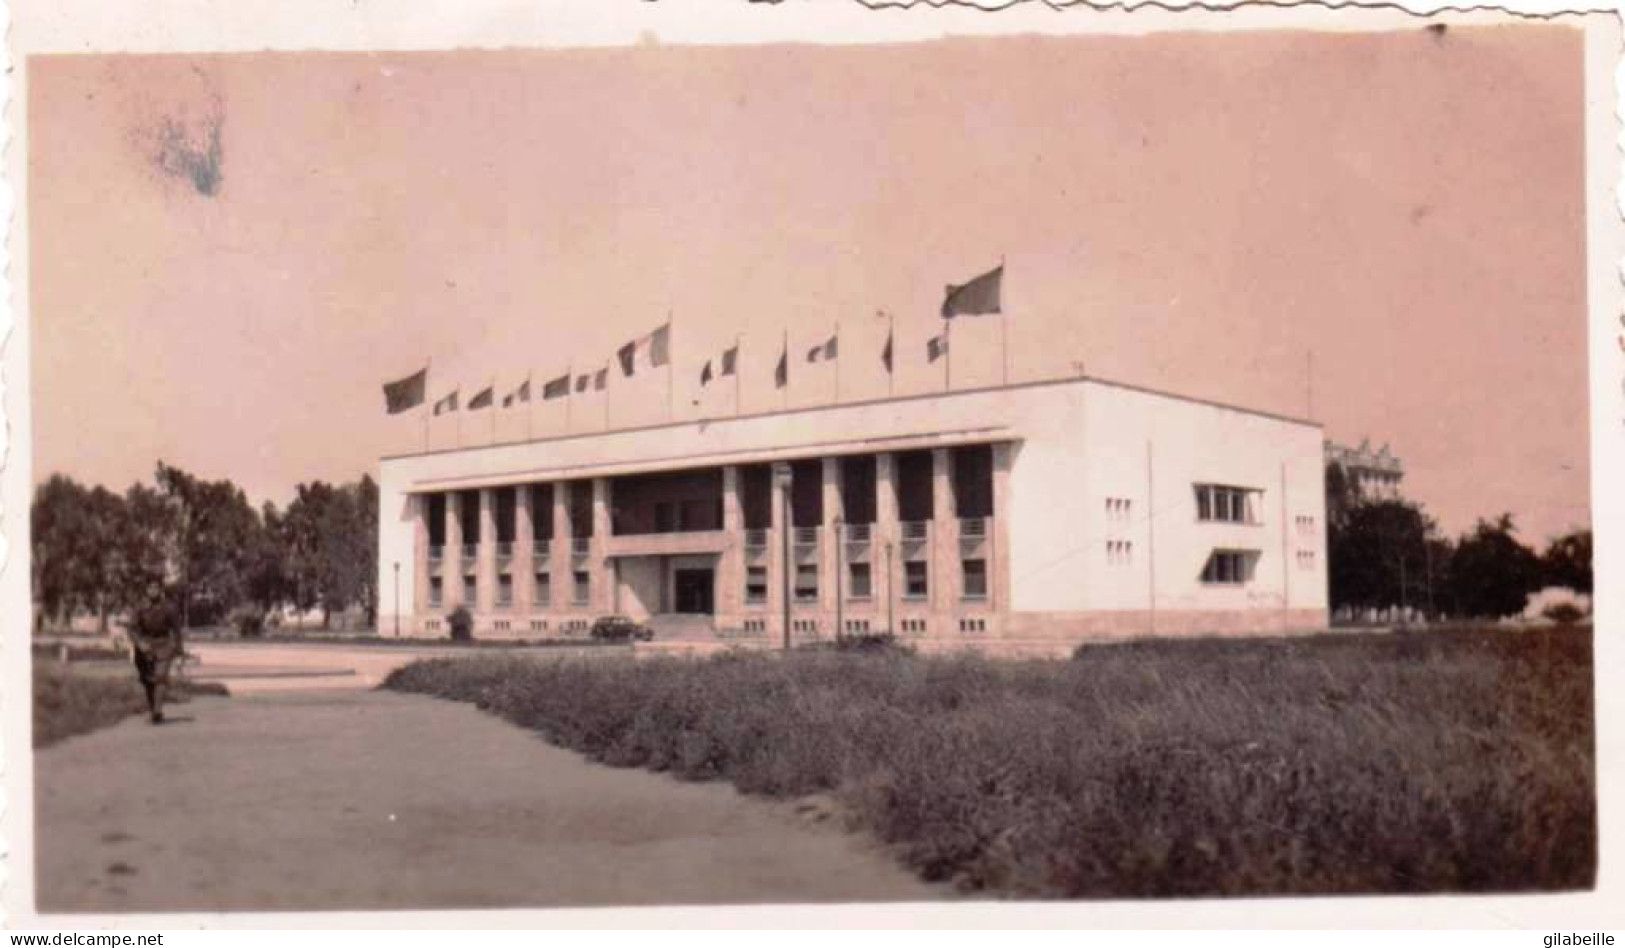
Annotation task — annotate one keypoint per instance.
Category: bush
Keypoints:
(1413, 762)
(1564, 613)
(248, 621)
(461, 624)
(867, 642)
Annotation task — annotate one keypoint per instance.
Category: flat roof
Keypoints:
(836, 406)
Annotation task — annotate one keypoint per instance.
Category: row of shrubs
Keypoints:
(1403, 763)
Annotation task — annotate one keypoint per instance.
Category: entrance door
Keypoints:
(694, 590)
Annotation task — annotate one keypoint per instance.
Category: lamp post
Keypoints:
(782, 477)
(891, 593)
(397, 598)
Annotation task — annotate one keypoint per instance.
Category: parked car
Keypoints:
(620, 629)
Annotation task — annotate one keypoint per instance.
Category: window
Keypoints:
(915, 585)
(469, 588)
(505, 590)
(1228, 567)
(1225, 504)
(1117, 508)
(1120, 552)
(1306, 559)
(542, 595)
(756, 584)
(975, 578)
(437, 592)
(583, 587)
(806, 582)
(858, 585)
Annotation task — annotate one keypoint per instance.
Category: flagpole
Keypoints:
(493, 409)
(569, 392)
(427, 408)
(784, 400)
(671, 407)
(528, 408)
(837, 362)
(1004, 327)
(737, 354)
(891, 342)
(606, 395)
(947, 356)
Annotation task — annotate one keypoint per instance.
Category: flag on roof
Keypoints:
(781, 373)
(885, 354)
(557, 388)
(449, 403)
(976, 298)
(655, 347)
(600, 379)
(705, 374)
(520, 394)
(936, 347)
(826, 350)
(403, 394)
(730, 360)
(482, 399)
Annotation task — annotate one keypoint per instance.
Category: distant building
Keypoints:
(1375, 473)
(1016, 519)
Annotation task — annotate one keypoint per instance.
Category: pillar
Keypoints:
(603, 574)
(418, 607)
(888, 565)
(485, 560)
(522, 563)
(829, 545)
(944, 535)
(560, 564)
(731, 565)
(998, 579)
(451, 563)
(775, 554)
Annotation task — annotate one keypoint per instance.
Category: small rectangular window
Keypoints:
(859, 585)
(915, 581)
(543, 591)
(505, 590)
(437, 591)
(975, 578)
(756, 584)
(1228, 567)
(806, 582)
(469, 588)
(583, 587)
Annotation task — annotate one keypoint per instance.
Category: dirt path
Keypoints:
(372, 800)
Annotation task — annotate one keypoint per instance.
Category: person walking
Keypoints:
(155, 646)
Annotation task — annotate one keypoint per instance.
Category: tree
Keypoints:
(333, 547)
(267, 581)
(1567, 562)
(214, 525)
(56, 520)
(1492, 574)
(1379, 555)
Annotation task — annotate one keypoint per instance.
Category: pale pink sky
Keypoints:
(1187, 212)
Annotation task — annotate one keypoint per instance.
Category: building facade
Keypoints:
(1023, 518)
(1375, 473)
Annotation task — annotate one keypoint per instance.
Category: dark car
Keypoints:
(620, 629)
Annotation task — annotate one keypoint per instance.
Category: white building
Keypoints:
(1374, 473)
(1021, 518)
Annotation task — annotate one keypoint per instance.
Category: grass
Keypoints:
(70, 700)
(1412, 762)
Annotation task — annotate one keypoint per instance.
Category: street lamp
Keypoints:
(891, 593)
(397, 598)
(840, 567)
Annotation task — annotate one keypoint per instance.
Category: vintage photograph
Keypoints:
(1085, 466)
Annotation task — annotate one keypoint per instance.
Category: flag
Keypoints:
(449, 403)
(557, 388)
(825, 350)
(705, 374)
(482, 399)
(582, 381)
(600, 379)
(730, 360)
(657, 344)
(885, 354)
(976, 298)
(936, 347)
(781, 374)
(520, 394)
(406, 393)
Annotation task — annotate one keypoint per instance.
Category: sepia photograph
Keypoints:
(1151, 462)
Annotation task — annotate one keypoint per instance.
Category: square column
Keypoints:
(603, 573)
(829, 544)
(521, 564)
(731, 564)
(485, 560)
(561, 565)
(776, 565)
(944, 535)
(887, 554)
(999, 582)
(451, 564)
(419, 606)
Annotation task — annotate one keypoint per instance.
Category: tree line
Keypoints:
(200, 548)
(1385, 553)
